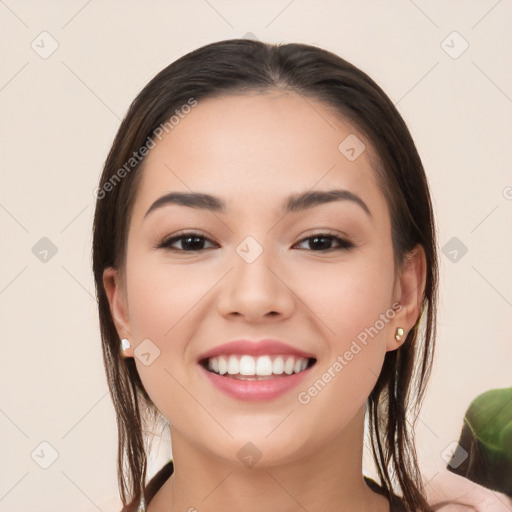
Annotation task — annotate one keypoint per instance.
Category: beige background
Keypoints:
(59, 116)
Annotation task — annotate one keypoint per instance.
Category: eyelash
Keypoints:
(344, 245)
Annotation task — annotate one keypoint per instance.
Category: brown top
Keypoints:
(153, 486)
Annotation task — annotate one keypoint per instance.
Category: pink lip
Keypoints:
(255, 390)
(254, 348)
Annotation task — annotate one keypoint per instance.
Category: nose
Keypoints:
(257, 291)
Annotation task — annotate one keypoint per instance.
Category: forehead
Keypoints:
(259, 148)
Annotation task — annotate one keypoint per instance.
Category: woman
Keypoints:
(266, 270)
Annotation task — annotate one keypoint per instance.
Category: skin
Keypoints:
(253, 151)
(446, 485)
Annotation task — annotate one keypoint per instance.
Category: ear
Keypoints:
(408, 292)
(118, 306)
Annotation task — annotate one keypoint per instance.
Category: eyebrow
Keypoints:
(293, 203)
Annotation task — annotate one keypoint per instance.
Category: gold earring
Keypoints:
(399, 333)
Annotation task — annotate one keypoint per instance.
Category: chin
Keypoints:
(258, 449)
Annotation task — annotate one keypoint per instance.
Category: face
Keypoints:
(318, 277)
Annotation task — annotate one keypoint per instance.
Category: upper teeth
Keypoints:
(262, 365)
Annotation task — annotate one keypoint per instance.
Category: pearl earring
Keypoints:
(399, 333)
(125, 344)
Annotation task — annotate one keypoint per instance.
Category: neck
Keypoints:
(328, 480)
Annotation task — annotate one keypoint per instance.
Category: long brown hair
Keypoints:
(234, 67)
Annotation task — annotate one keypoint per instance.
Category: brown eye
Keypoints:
(190, 242)
(195, 242)
(323, 241)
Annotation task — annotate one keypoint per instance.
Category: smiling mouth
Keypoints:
(264, 367)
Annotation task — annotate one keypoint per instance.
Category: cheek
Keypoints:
(352, 304)
(348, 298)
(160, 298)
(163, 300)
(351, 308)
(166, 304)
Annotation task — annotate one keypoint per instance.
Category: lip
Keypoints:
(254, 348)
(255, 390)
